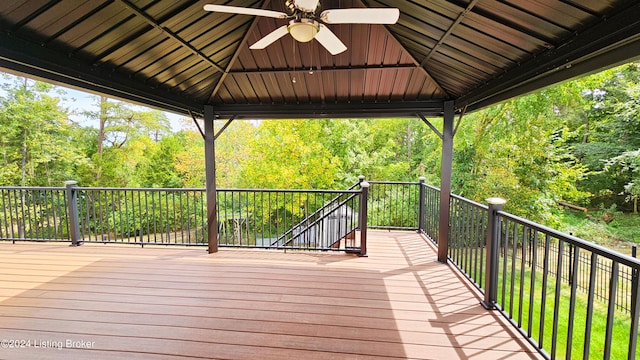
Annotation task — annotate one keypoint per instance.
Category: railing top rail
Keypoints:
(394, 182)
(219, 190)
(356, 185)
(31, 188)
(470, 202)
(431, 187)
(293, 191)
(138, 189)
(597, 249)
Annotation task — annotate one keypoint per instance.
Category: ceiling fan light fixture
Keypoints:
(304, 30)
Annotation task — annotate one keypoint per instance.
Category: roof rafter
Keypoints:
(236, 53)
(446, 34)
(171, 34)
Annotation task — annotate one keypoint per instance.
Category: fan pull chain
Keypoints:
(294, 63)
(311, 57)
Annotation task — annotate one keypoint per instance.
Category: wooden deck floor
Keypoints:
(126, 302)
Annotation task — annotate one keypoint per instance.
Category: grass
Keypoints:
(618, 235)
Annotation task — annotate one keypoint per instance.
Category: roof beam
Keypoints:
(326, 69)
(236, 53)
(512, 24)
(20, 56)
(171, 34)
(446, 34)
(612, 41)
(351, 110)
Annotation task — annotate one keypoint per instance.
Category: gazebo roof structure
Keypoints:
(173, 55)
(439, 59)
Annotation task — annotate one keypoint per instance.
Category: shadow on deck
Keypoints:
(115, 302)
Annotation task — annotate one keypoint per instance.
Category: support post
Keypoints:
(72, 207)
(491, 270)
(445, 181)
(421, 195)
(210, 172)
(363, 213)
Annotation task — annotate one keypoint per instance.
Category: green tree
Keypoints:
(35, 136)
(627, 167)
(124, 134)
(609, 128)
(517, 151)
(289, 154)
(157, 168)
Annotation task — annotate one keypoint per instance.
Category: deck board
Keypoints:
(171, 303)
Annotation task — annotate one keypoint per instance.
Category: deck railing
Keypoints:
(393, 205)
(283, 219)
(33, 213)
(568, 297)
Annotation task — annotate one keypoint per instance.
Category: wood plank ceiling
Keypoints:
(173, 55)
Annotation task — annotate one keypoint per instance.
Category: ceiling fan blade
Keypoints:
(270, 38)
(306, 5)
(245, 11)
(330, 41)
(361, 16)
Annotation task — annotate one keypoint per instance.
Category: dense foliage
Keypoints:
(578, 142)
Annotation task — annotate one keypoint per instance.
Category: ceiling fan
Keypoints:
(304, 25)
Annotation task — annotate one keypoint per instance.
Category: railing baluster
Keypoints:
(572, 301)
(556, 303)
(611, 308)
(512, 275)
(523, 265)
(505, 261)
(532, 282)
(590, 302)
(543, 300)
(634, 310)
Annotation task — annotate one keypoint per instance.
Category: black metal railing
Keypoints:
(467, 238)
(142, 216)
(284, 219)
(570, 298)
(288, 219)
(33, 213)
(430, 215)
(394, 205)
(538, 282)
